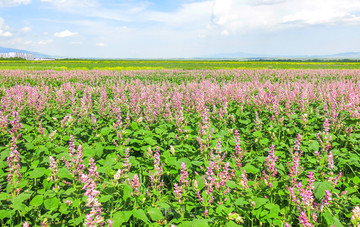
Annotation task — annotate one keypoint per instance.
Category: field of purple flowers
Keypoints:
(180, 148)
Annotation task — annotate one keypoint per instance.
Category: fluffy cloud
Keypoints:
(65, 33)
(234, 16)
(44, 42)
(5, 33)
(4, 29)
(72, 3)
(26, 29)
(100, 44)
(9, 3)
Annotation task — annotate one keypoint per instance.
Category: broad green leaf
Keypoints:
(37, 173)
(155, 214)
(105, 198)
(20, 198)
(260, 201)
(231, 184)
(4, 196)
(5, 214)
(64, 173)
(37, 200)
(121, 217)
(331, 220)
(150, 141)
(257, 134)
(251, 169)
(127, 191)
(231, 224)
(106, 130)
(51, 204)
(200, 223)
(356, 180)
(320, 187)
(140, 214)
(241, 201)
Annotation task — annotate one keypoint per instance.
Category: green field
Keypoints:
(170, 64)
(258, 147)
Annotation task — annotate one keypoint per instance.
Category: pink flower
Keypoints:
(178, 190)
(304, 220)
(327, 197)
(326, 125)
(184, 175)
(135, 184)
(13, 161)
(206, 212)
(330, 160)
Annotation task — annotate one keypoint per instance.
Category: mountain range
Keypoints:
(36, 54)
(242, 55)
(236, 55)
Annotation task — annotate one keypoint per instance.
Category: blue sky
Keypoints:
(180, 28)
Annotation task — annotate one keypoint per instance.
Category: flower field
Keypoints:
(180, 148)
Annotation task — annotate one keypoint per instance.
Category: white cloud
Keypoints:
(72, 3)
(100, 44)
(44, 42)
(4, 29)
(237, 16)
(196, 14)
(26, 29)
(65, 33)
(5, 33)
(10, 3)
(77, 43)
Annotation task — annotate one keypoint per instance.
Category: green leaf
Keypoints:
(64, 173)
(331, 220)
(5, 214)
(4, 196)
(251, 169)
(355, 200)
(155, 214)
(150, 141)
(231, 224)
(200, 223)
(260, 201)
(274, 210)
(127, 191)
(314, 146)
(106, 130)
(183, 160)
(20, 198)
(37, 200)
(51, 204)
(140, 214)
(356, 180)
(257, 134)
(37, 173)
(121, 217)
(320, 187)
(159, 131)
(134, 125)
(105, 198)
(264, 141)
(164, 206)
(231, 184)
(241, 201)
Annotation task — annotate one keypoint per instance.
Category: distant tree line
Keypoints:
(306, 60)
(12, 59)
